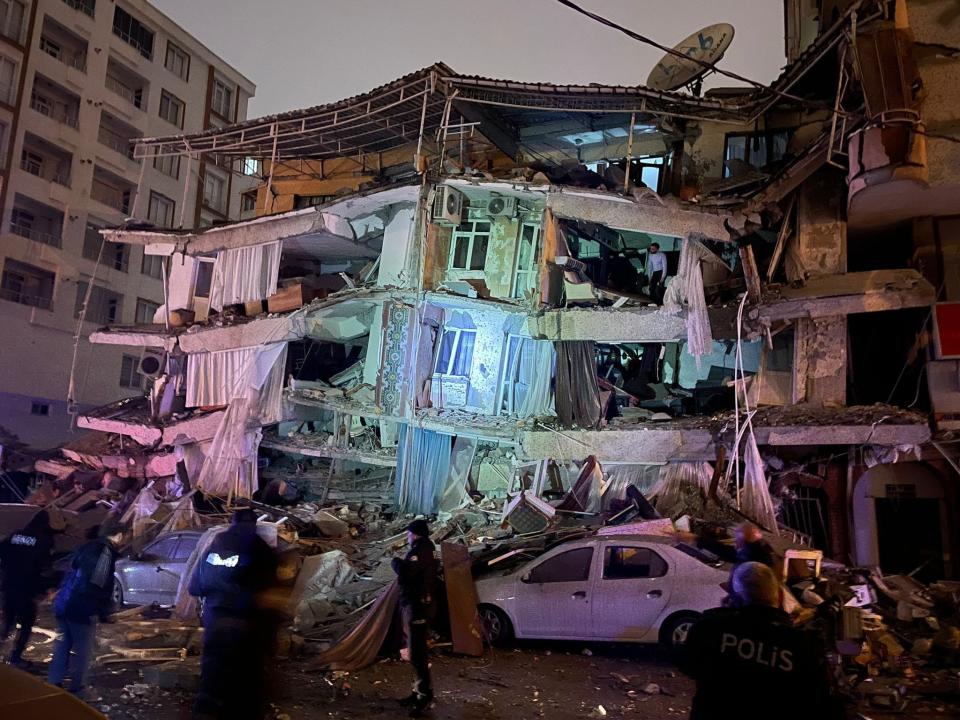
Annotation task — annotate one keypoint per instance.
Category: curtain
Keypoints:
(533, 396)
(423, 468)
(682, 488)
(686, 290)
(216, 378)
(455, 495)
(620, 477)
(230, 469)
(578, 394)
(246, 273)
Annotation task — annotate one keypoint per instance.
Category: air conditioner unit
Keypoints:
(153, 363)
(500, 206)
(448, 206)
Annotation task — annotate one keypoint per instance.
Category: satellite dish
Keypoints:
(706, 46)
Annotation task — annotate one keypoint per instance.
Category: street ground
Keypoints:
(531, 680)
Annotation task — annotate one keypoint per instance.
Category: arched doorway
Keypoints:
(900, 521)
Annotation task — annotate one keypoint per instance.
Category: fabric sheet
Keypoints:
(682, 488)
(755, 500)
(423, 468)
(216, 378)
(620, 477)
(360, 647)
(455, 495)
(246, 273)
(533, 396)
(685, 291)
(577, 392)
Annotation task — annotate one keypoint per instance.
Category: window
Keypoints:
(105, 305)
(470, 246)
(168, 165)
(26, 284)
(455, 355)
(527, 258)
(756, 149)
(84, 6)
(92, 240)
(203, 278)
(177, 61)
(8, 80)
(624, 563)
(39, 408)
(172, 109)
(152, 265)
(31, 162)
(253, 167)
(12, 13)
(185, 548)
(571, 566)
(51, 47)
(161, 210)
(248, 201)
(116, 256)
(163, 549)
(301, 202)
(3, 144)
(214, 191)
(133, 32)
(222, 99)
(145, 311)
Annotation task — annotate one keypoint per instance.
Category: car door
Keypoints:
(169, 568)
(553, 596)
(633, 588)
(143, 577)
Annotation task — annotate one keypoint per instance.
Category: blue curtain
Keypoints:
(423, 466)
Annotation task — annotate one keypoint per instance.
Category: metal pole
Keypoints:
(136, 197)
(626, 179)
(273, 162)
(186, 187)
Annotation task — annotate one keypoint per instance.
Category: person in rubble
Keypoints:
(233, 578)
(24, 562)
(751, 547)
(657, 272)
(85, 596)
(749, 661)
(417, 577)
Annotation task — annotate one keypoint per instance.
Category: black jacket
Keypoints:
(750, 662)
(87, 590)
(234, 570)
(24, 558)
(417, 578)
(759, 551)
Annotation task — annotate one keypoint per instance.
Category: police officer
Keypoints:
(751, 547)
(749, 661)
(416, 576)
(234, 573)
(24, 558)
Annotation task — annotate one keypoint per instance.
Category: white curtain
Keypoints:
(537, 361)
(246, 273)
(686, 291)
(217, 378)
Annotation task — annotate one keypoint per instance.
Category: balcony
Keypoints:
(126, 84)
(111, 190)
(54, 102)
(133, 32)
(60, 43)
(36, 221)
(45, 160)
(117, 136)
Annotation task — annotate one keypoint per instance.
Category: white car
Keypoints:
(614, 588)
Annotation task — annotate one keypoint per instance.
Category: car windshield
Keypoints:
(704, 556)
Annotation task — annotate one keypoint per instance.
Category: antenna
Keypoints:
(705, 46)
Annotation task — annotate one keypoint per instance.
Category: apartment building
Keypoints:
(79, 81)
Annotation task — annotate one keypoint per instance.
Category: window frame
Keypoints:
(226, 94)
(170, 100)
(461, 232)
(28, 278)
(452, 361)
(130, 376)
(143, 303)
(608, 552)
(135, 33)
(248, 198)
(158, 200)
(210, 177)
(8, 21)
(161, 161)
(182, 55)
(39, 409)
(768, 139)
(100, 302)
(148, 262)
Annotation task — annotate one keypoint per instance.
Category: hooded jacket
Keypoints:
(417, 577)
(25, 557)
(87, 590)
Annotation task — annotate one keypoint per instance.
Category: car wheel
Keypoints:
(117, 595)
(497, 628)
(673, 632)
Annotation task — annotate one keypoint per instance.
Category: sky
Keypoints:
(307, 52)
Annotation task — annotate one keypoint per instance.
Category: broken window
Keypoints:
(756, 149)
(469, 245)
(528, 256)
(624, 563)
(455, 355)
(571, 566)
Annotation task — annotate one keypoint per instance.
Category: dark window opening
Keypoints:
(571, 566)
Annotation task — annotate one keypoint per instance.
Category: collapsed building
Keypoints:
(445, 294)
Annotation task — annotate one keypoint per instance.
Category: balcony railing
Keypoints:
(61, 177)
(112, 197)
(74, 60)
(32, 233)
(55, 111)
(117, 87)
(116, 142)
(84, 6)
(133, 42)
(16, 296)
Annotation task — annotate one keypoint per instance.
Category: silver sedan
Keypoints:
(612, 588)
(153, 575)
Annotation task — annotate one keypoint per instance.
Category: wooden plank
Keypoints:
(461, 599)
(750, 273)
